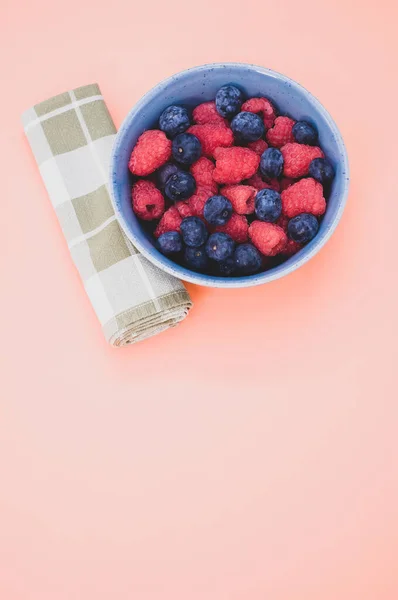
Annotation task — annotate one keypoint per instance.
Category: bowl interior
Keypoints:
(200, 84)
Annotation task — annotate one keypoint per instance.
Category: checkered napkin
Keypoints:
(71, 136)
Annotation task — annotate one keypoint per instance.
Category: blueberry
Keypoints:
(247, 127)
(194, 232)
(304, 133)
(227, 267)
(186, 148)
(321, 170)
(180, 186)
(303, 228)
(229, 99)
(220, 246)
(247, 259)
(217, 210)
(164, 173)
(271, 163)
(268, 205)
(170, 242)
(174, 120)
(196, 258)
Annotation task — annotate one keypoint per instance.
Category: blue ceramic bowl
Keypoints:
(198, 85)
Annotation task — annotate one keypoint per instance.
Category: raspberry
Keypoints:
(281, 133)
(148, 201)
(262, 106)
(257, 182)
(305, 196)
(202, 170)
(268, 238)
(212, 136)
(207, 113)
(170, 221)
(258, 147)
(234, 164)
(197, 202)
(151, 151)
(184, 209)
(297, 159)
(291, 246)
(237, 227)
(241, 197)
(285, 183)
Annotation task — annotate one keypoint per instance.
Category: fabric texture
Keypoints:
(71, 136)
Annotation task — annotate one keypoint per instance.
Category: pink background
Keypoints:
(250, 453)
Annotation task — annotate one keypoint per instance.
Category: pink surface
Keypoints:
(250, 453)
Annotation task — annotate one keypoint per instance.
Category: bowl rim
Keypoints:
(294, 262)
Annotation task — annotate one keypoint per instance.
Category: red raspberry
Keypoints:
(237, 227)
(207, 113)
(297, 159)
(184, 209)
(291, 246)
(305, 196)
(148, 202)
(268, 238)
(198, 200)
(202, 170)
(241, 197)
(258, 147)
(257, 182)
(170, 221)
(286, 182)
(281, 133)
(234, 164)
(262, 106)
(212, 136)
(151, 151)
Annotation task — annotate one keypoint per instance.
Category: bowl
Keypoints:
(200, 84)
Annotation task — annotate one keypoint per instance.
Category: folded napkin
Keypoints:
(71, 136)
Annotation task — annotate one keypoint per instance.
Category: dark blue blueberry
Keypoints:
(180, 186)
(196, 258)
(164, 173)
(186, 148)
(220, 246)
(304, 133)
(217, 210)
(247, 127)
(227, 267)
(247, 259)
(229, 99)
(174, 120)
(271, 163)
(321, 170)
(268, 205)
(170, 242)
(302, 228)
(193, 231)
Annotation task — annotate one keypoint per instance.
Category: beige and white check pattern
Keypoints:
(71, 136)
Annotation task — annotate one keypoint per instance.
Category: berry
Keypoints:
(220, 246)
(184, 209)
(271, 163)
(321, 170)
(258, 147)
(305, 196)
(297, 159)
(180, 186)
(151, 151)
(186, 148)
(268, 205)
(247, 259)
(217, 210)
(194, 232)
(303, 228)
(237, 227)
(198, 200)
(286, 182)
(170, 221)
(148, 201)
(196, 258)
(257, 182)
(170, 242)
(164, 173)
(247, 127)
(226, 268)
(174, 120)
(269, 239)
(281, 133)
(228, 101)
(202, 170)
(212, 136)
(291, 248)
(207, 113)
(234, 164)
(241, 197)
(261, 106)
(304, 133)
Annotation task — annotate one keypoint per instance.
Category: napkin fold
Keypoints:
(71, 136)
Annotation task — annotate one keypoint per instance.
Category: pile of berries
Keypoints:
(233, 189)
